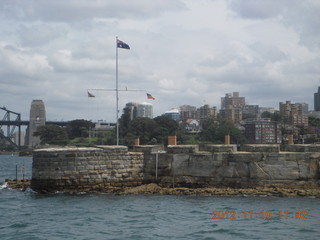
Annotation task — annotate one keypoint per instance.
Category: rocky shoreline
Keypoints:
(153, 188)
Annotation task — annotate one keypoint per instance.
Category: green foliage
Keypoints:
(165, 127)
(124, 122)
(215, 132)
(79, 128)
(315, 122)
(109, 138)
(274, 116)
(144, 128)
(51, 134)
(150, 131)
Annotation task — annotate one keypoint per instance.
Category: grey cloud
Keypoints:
(17, 64)
(74, 10)
(39, 34)
(268, 52)
(302, 16)
(259, 9)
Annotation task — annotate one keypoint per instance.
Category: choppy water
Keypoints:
(28, 215)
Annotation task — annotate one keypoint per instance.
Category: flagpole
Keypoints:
(117, 92)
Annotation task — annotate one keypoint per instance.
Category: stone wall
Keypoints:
(85, 169)
(225, 166)
(104, 167)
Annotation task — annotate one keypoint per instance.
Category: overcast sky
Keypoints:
(182, 52)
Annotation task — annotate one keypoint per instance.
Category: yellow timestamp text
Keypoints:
(264, 214)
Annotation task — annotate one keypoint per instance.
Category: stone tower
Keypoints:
(37, 118)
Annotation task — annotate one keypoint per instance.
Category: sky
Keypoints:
(181, 51)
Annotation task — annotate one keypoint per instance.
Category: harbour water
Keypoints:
(28, 215)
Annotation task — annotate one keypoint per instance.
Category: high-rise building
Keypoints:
(251, 110)
(317, 100)
(231, 114)
(173, 114)
(140, 110)
(263, 131)
(231, 107)
(206, 112)
(292, 113)
(188, 112)
(233, 100)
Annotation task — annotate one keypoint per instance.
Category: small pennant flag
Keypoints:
(90, 94)
(121, 44)
(149, 96)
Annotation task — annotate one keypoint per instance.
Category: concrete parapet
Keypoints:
(302, 148)
(148, 148)
(261, 148)
(113, 149)
(182, 149)
(220, 148)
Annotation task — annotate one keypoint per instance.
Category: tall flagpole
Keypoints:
(117, 92)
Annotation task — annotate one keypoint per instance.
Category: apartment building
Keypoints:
(263, 131)
(293, 113)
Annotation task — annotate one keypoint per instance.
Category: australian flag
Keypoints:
(121, 44)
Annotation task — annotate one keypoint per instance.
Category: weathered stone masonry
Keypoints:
(85, 169)
(103, 167)
(223, 165)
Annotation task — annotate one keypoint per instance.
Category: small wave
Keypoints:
(4, 185)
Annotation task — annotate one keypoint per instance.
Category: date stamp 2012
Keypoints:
(303, 214)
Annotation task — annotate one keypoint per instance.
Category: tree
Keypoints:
(51, 134)
(274, 116)
(141, 127)
(215, 132)
(165, 127)
(124, 122)
(79, 128)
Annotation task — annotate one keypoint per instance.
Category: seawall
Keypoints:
(103, 168)
(85, 169)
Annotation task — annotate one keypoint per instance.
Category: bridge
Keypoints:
(11, 123)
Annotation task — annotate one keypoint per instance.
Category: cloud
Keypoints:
(40, 34)
(78, 10)
(18, 63)
(302, 16)
(182, 52)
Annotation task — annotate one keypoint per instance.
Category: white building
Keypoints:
(140, 110)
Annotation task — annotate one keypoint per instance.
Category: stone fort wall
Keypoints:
(103, 167)
(85, 169)
(223, 165)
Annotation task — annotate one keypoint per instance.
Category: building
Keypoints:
(188, 112)
(304, 108)
(101, 129)
(263, 131)
(231, 107)
(292, 113)
(266, 109)
(231, 114)
(16, 138)
(233, 100)
(317, 100)
(140, 110)
(250, 111)
(206, 112)
(173, 114)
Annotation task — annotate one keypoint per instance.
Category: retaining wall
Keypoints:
(103, 167)
(85, 169)
(253, 165)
